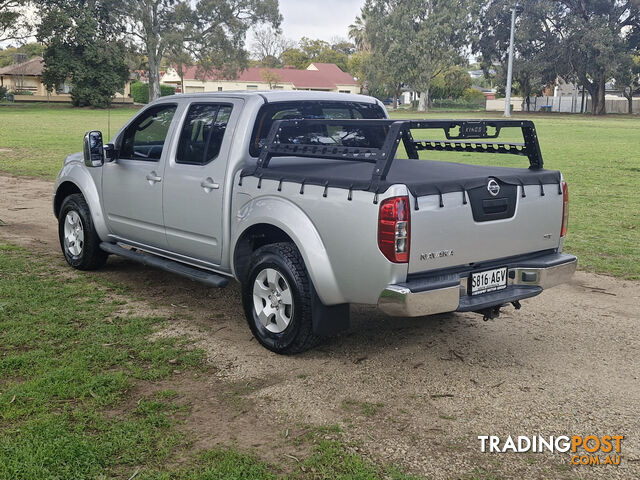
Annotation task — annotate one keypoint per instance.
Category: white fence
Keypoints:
(564, 104)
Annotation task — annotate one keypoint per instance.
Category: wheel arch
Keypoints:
(75, 179)
(64, 190)
(272, 220)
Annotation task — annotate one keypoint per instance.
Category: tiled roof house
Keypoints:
(326, 77)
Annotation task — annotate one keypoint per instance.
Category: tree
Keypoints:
(13, 25)
(584, 39)
(414, 40)
(212, 31)
(268, 45)
(533, 66)
(343, 46)
(450, 83)
(628, 78)
(382, 64)
(294, 57)
(312, 50)
(270, 77)
(178, 58)
(358, 66)
(358, 30)
(29, 50)
(81, 45)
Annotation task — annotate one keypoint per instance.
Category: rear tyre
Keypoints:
(78, 238)
(277, 299)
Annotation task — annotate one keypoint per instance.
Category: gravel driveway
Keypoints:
(416, 392)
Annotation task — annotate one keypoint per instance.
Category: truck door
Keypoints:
(132, 185)
(193, 198)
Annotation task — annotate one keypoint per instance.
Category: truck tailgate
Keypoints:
(458, 228)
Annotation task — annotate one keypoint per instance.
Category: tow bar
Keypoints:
(494, 312)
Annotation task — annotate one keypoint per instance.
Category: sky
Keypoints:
(322, 19)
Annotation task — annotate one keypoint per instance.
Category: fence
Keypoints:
(564, 104)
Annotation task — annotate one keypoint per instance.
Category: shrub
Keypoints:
(471, 95)
(458, 104)
(140, 91)
(166, 90)
(3, 93)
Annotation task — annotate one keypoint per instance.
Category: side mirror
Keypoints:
(93, 149)
(110, 153)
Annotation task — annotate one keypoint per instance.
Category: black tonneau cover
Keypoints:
(374, 167)
(422, 177)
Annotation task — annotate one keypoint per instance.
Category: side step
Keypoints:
(193, 273)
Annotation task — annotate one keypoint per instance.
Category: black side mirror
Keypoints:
(110, 153)
(93, 149)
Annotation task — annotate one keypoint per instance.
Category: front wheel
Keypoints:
(277, 299)
(78, 238)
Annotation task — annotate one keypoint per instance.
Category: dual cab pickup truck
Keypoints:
(304, 198)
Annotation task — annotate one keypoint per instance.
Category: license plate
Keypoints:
(488, 281)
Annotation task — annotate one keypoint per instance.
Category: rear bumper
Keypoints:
(447, 292)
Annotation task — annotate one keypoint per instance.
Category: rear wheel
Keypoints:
(78, 239)
(277, 299)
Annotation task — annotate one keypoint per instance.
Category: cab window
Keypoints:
(202, 133)
(362, 136)
(144, 138)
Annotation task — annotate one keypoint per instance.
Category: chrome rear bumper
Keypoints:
(527, 278)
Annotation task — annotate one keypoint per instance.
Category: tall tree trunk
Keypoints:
(423, 103)
(396, 95)
(598, 106)
(154, 76)
(629, 100)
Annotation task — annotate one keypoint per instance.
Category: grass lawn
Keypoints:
(36, 138)
(71, 356)
(599, 157)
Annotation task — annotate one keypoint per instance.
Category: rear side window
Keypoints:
(361, 137)
(202, 133)
(144, 138)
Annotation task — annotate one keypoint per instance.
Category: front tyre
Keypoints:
(277, 299)
(78, 238)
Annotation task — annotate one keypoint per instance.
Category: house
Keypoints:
(325, 77)
(25, 81)
(24, 77)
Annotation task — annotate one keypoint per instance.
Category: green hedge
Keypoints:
(140, 91)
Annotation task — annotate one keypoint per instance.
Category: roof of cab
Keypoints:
(277, 96)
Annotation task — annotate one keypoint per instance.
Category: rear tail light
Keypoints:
(565, 209)
(394, 228)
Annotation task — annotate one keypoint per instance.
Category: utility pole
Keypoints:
(507, 102)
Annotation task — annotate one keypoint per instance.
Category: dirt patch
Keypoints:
(564, 364)
(217, 413)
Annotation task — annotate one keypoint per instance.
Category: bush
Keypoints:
(471, 95)
(3, 93)
(21, 92)
(458, 104)
(140, 91)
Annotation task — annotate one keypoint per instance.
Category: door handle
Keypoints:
(153, 177)
(208, 184)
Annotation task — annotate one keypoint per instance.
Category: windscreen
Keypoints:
(366, 137)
